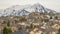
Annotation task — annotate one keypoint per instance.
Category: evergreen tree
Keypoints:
(51, 18)
(7, 31)
(8, 23)
(31, 26)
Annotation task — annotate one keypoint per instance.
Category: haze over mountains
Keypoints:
(20, 10)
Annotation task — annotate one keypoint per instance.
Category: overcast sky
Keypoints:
(52, 4)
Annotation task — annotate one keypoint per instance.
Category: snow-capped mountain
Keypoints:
(20, 10)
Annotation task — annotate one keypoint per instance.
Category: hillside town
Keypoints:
(34, 23)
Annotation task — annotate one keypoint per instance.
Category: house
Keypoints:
(35, 31)
(14, 28)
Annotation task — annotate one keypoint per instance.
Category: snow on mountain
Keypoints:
(38, 8)
(1, 12)
(20, 10)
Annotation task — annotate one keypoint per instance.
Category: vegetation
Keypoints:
(22, 19)
(31, 26)
(7, 31)
(46, 20)
(56, 17)
(51, 18)
(8, 23)
(58, 31)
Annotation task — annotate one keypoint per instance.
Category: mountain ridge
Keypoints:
(14, 10)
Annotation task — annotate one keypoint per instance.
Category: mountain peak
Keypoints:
(38, 4)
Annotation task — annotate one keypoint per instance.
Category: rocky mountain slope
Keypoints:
(20, 10)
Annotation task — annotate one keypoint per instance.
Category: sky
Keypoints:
(51, 4)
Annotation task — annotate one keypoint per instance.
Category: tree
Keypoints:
(58, 31)
(23, 19)
(56, 17)
(51, 18)
(31, 26)
(8, 23)
(46, 20)
(7, 31)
